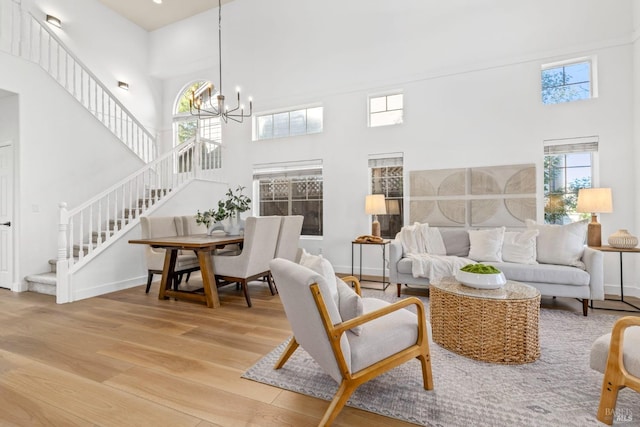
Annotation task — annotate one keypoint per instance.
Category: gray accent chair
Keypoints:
(389, 335)
(617, 356)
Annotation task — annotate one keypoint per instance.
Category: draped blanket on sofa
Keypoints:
(423, 245)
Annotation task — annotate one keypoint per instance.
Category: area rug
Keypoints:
(559, 389)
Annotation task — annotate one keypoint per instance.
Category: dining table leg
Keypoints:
(208, 279)
(168, 271)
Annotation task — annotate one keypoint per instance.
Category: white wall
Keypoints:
(470, 75)
(64, 155)
(112, 47)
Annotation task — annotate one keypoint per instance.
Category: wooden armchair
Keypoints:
(316, 318)
(617, 355)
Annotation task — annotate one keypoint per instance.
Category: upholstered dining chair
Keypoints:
(617, 355)
(318, 308)
(161, 226)
(258, 248)
(289, 237)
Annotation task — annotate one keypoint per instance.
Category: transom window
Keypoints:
(566, 82)
(288, 123)
(385, 110)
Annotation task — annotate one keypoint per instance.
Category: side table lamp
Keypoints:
(594, 201)
(375, 205)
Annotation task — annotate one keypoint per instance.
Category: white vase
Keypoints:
(232, 225)
(215, 226)
(621, 239)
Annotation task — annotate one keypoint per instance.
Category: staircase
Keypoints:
(87, 230)
(21, 34)
(46, 283)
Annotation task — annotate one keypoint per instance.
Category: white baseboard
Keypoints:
(107, 288)
(629, 291)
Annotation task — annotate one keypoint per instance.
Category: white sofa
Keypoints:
(550, 279)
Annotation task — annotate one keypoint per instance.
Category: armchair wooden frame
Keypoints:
(616, 376)
(351, 381)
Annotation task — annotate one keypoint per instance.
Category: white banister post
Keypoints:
(197, 153)
(63, 291)
(63, 224)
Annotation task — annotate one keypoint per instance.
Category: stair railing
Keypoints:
(86, 229)
(21, 34)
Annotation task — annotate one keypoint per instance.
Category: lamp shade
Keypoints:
(594, 200)
(374, 204)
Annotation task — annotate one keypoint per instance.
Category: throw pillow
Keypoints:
(520, 246)
(433, 242)
(560, 244)
(350, 304)
(324, 268)
(486, 245)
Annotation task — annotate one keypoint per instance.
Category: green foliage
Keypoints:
(480, 269)
(235, 203)
(559, 203)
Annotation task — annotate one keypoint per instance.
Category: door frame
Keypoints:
(14, 284)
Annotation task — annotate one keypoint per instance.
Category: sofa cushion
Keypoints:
(560, 244)
(486, 245)
(456, 241)
(404, 265)
(433, 242)
(543, 273)
(520, 246)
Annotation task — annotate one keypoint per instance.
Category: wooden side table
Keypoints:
(620, 251)
(383, 245)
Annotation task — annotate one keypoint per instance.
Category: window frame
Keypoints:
(593, 87)
(385, 95)
(390, 223)
(255, 132)
(568, 147)
(291, 171)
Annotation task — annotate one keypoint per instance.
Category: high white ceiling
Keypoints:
(151, 16)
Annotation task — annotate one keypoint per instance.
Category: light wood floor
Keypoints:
(128, 359)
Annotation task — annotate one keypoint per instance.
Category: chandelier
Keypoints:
(205, 104)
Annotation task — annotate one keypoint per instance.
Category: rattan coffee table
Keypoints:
(492, 325)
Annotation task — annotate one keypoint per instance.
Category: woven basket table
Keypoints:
(492, 325)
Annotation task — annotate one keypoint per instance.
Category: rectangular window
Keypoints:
(387, 178)
(291, 189)
(568, 167)
(302, 121)
(385, 110)
(567, 81)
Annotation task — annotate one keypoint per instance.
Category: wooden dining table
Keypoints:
(203, 245)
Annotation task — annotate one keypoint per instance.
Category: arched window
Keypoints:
(192, 132)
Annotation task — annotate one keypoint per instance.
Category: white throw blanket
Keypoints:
(417, 241)
(435, 267)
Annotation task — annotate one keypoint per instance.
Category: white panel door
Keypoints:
(6, 213)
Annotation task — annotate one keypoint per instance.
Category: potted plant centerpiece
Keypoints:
(229, 209)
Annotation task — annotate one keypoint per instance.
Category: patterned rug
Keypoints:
(559, 389)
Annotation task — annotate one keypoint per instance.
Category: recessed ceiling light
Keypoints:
(157, 1)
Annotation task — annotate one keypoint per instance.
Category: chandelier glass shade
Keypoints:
(206, 102)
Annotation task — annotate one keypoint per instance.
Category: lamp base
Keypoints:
(594, 233)
(375, 229)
